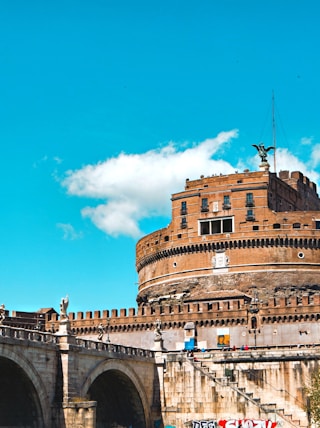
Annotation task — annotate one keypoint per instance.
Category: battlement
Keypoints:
(306, 302)
(296, 177)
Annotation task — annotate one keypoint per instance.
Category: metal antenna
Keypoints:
(274, 135)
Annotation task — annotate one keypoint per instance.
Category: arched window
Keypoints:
(254, 323)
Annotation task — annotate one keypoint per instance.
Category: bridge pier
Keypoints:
(80, 414)
(76, 410)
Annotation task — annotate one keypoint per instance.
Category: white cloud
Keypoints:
(306, 141)
(58, 160)
(288, 161)
(137, 186)
(69, 232)
(40, 161)
(315, 155)
(44, 159)
(133, 187)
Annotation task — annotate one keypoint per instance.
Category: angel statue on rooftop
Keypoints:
(262, 151)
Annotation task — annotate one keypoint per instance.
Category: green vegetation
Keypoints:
(313, 392)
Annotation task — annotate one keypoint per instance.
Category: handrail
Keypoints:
(49, 337)
(115, 348)
(25, 334)
(262, 407)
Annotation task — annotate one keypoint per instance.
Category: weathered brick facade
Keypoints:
(231, 231)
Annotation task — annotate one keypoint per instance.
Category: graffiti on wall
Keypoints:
(235, 423)
(203, 424)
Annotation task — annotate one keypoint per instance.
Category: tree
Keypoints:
(313, 398)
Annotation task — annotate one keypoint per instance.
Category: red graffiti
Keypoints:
(247, 423)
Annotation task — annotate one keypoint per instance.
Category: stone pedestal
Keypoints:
(158, 345)
(264, 166)
(64, 328)
(76, 411)
(80, 414)
(68, 355)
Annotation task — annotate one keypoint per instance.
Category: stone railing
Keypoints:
(45, 337)
(24, 334)
(270, 353)
(110, 347)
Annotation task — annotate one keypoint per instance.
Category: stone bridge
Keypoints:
(58, 381)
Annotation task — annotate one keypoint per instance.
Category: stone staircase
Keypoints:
(296, 417)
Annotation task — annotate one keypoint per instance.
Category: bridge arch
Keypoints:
(24, 400)
(120, 395)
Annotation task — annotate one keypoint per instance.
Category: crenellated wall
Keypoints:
(290, 317)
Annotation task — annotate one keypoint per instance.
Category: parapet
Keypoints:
(296, 177)
(229, 308)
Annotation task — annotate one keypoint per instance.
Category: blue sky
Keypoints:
(108, 106)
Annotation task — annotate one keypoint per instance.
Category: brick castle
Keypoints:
(238, 265)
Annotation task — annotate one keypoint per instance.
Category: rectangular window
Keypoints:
(183, 222)
(204, 228)
(226, 202)
(216, 226)
(317, 224)
(249, 200)
(204, 205)
(227, 225)
(250, 215)
(183, 208)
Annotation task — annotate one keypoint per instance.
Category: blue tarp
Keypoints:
(189, 345)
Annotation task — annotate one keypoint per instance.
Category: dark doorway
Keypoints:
(118, 401)
(19, 402)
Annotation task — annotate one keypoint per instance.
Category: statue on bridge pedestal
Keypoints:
(158, 341)
(2, 313)
(64, 322)
(63, 308)
(100, 331)
(157, 331)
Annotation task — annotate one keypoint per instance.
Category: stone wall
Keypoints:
(265, 385)
(289, 316)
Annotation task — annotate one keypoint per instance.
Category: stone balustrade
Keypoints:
(110, 347)
(24, 334)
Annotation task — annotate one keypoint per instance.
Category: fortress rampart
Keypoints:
(308, 303)
(222, 311)
(288, 318)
